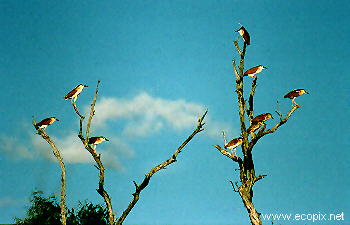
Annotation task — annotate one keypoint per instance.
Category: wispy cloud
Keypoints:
(146, 115)
(14, 148)
(74, 152)
(8, 201)
(142, 115)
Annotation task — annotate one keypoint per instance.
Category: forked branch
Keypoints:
(59, 158)
(163, 165)
(263, 132)
(97, 157)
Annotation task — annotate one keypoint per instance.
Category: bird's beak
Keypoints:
(106, 139)
(85, 85)
(57, 119)
(306, 92)
(237, 30)
(265, 67)
(272, 117)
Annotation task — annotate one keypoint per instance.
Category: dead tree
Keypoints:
(97, 157)
(163, 165)
(246, 111)
(56, 152)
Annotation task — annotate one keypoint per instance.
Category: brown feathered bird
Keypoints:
(254, 70)
(73, 94)
(254, 126)
(96, 140)
(233, 144)
(262, 117)
(45, 122)
(295, 93)
(258, 121)
(244, 34)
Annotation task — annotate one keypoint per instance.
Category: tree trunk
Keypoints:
(246, 193)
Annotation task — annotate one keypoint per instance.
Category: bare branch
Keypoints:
(235, 186)
(263, 132)
(278, 111)
(97, 157)
(241, 102)
(259, 178)
(237, 47)
(250, 111)
(228, 154)
(92, 112)
(172, 159)
(235, 70)
(59, 158)
(81, 118)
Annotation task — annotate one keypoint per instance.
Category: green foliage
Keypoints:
(90, 214)
(46, 211)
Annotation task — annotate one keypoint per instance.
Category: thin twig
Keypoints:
(278, 111)
(92, 112)
(81, 118)
(235, 186)
(237, 47)
(145, 182)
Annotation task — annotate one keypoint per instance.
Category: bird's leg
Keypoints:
(94, 148)
(75, 98)
(293, 100)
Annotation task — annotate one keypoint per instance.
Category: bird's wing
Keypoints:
(251, 70)
(71, 93)
(44, 122)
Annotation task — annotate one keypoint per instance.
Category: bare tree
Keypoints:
(41, 128)
(163, 165)
(97, 158)
(248, 136)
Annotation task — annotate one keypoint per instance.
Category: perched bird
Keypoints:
(262, 118)
(254, 126)
(96, 140)
(245, 35)
(45, 122)
(295, 93)
(233, 144)
(73, 94)
(258, 121)
(254, 70)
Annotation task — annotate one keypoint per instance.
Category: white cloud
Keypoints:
(142, 115)
(146, 115)
(73, 151)
(8, 201)
(13, 148)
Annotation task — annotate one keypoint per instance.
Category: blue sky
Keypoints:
(160, 64)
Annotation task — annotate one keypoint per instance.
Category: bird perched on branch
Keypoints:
(258, 121)
(245, 35)
(73, 94)
(262, 117)
(295, 93)
(254, 70)
(45, 122)
(233, 144)
(96, 140)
